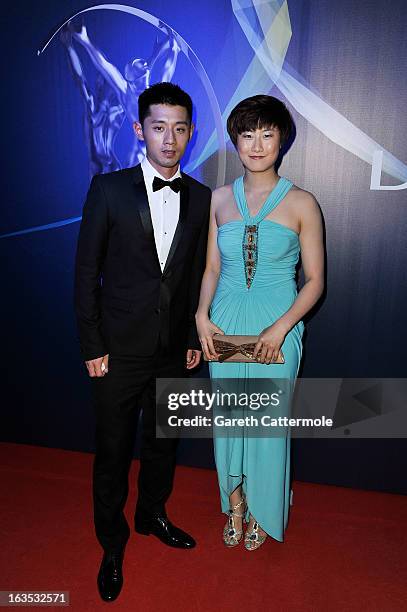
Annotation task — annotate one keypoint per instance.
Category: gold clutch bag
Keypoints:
(238, 349)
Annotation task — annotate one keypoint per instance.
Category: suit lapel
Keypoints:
(144, 209)
(145, 215)
(183, 212)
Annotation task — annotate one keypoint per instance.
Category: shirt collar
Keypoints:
(150, 172)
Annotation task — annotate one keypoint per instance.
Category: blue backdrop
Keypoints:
(340, 68)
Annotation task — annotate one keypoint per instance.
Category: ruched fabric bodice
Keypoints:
(273, 289)
(247, 305)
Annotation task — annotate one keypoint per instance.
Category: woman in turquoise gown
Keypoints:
(256, 294)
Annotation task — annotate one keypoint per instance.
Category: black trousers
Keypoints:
(118, 397)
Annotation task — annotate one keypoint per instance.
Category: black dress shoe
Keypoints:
(160, 526)
(110, 577)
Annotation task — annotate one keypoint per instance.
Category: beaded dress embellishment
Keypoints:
(251, 228)
(250, 252)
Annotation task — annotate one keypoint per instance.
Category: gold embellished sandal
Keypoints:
(231, 535)
(253, 539)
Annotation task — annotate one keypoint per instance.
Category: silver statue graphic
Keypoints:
(136, 78)
(169, 68)
(103, 115)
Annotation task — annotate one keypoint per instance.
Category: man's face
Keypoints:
(166, 132)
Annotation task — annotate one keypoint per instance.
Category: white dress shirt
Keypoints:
(164, 209)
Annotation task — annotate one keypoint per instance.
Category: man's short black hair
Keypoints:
(260, 111)
(163, 93)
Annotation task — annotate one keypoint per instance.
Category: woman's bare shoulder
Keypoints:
(222, 194)
(302, 200)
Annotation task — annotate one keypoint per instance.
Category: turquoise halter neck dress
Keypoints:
(255, 288)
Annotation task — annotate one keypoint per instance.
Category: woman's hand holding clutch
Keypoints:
(206, 330)
(269, 342)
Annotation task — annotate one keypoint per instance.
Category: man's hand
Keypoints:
(98, 367)
(193, 358)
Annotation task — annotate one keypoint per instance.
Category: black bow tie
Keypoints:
(159, 184)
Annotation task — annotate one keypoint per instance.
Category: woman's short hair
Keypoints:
(260, 111)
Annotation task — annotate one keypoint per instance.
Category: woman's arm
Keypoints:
(312, 257)
(206, 329)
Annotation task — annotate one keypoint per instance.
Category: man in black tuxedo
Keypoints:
(140, 259)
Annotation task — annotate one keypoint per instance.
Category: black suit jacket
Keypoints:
(123, 302)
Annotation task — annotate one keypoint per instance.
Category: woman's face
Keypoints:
(259, 149)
